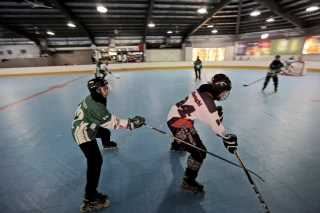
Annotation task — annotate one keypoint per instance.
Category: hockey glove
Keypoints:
(231, 143)
(220, 112)
(135, 122)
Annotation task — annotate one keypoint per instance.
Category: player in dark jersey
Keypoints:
(200, 105)
(92, 120)
(197, 68)
(274, 69)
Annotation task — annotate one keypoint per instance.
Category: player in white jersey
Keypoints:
(200, 105)
(289, 63)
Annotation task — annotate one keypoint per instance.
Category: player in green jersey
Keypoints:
(198, 67)
(92, 120)
(274, 69)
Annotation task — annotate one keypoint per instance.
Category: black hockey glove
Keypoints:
(220, 112)
(231, 143)
(135, 122)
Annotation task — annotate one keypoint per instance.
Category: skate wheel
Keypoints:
(106, 203)
(99, 206)
(83, 208)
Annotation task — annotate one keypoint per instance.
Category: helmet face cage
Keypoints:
(225, 95)
(94, 85)
(221, 83)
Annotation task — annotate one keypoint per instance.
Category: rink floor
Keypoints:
(43, 170)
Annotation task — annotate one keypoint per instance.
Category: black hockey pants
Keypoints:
(275, 81)
(94, 160)
(198, 71)
(196, 158)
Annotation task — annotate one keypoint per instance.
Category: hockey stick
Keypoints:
(205, 77)
(264, 205)
(113, 75)
(253, 82)
(171, 136)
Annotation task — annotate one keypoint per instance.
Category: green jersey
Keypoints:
(275, 68)
(89, 116)
(198, 64)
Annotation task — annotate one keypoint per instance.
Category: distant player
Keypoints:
(101, 68)
(198, 67)
(92, 120)
(274, 69)
(289, 63)
(200, 105)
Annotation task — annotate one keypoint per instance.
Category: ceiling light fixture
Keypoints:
(151, 24)
(214, 31)
(210, 26)
(70, 24)
(102, 9)
(50, 33)
(169, 31)
(312, 8)
(264, 36)
(255, 13)
(202, 10)
(270, 20)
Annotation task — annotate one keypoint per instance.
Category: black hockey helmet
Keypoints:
(95, 84)
(221, 83)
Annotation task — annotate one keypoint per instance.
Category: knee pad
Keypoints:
(194, 164)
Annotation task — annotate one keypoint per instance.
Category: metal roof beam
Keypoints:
(20, 33)
(151, 4)
(239, 17)
(275, 8)
(207, 18)
(60, 5)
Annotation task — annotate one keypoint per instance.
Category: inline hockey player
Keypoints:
(198, 67)
(92, 120)
(101, 68)
(274, 69)
(200, 105)
(289, 63)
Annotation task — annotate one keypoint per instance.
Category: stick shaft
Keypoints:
(221, 158)
(252, 183)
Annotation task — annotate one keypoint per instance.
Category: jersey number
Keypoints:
(185, 110)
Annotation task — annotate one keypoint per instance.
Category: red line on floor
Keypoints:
(314, 100)
(40, 93)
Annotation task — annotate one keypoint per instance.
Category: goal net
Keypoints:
(297, 68)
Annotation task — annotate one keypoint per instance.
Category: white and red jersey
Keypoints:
(198, 105)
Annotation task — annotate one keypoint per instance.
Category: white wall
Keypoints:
(228, 54)
(155, 55)
(188, 54)
(315, 57)
(140, 66)
(32, 51)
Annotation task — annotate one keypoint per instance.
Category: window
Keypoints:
(23, 51)
(9, 52)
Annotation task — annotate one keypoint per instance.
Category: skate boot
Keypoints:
(177, 147)
(191, 185)
(110, 145)
(97, 201)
